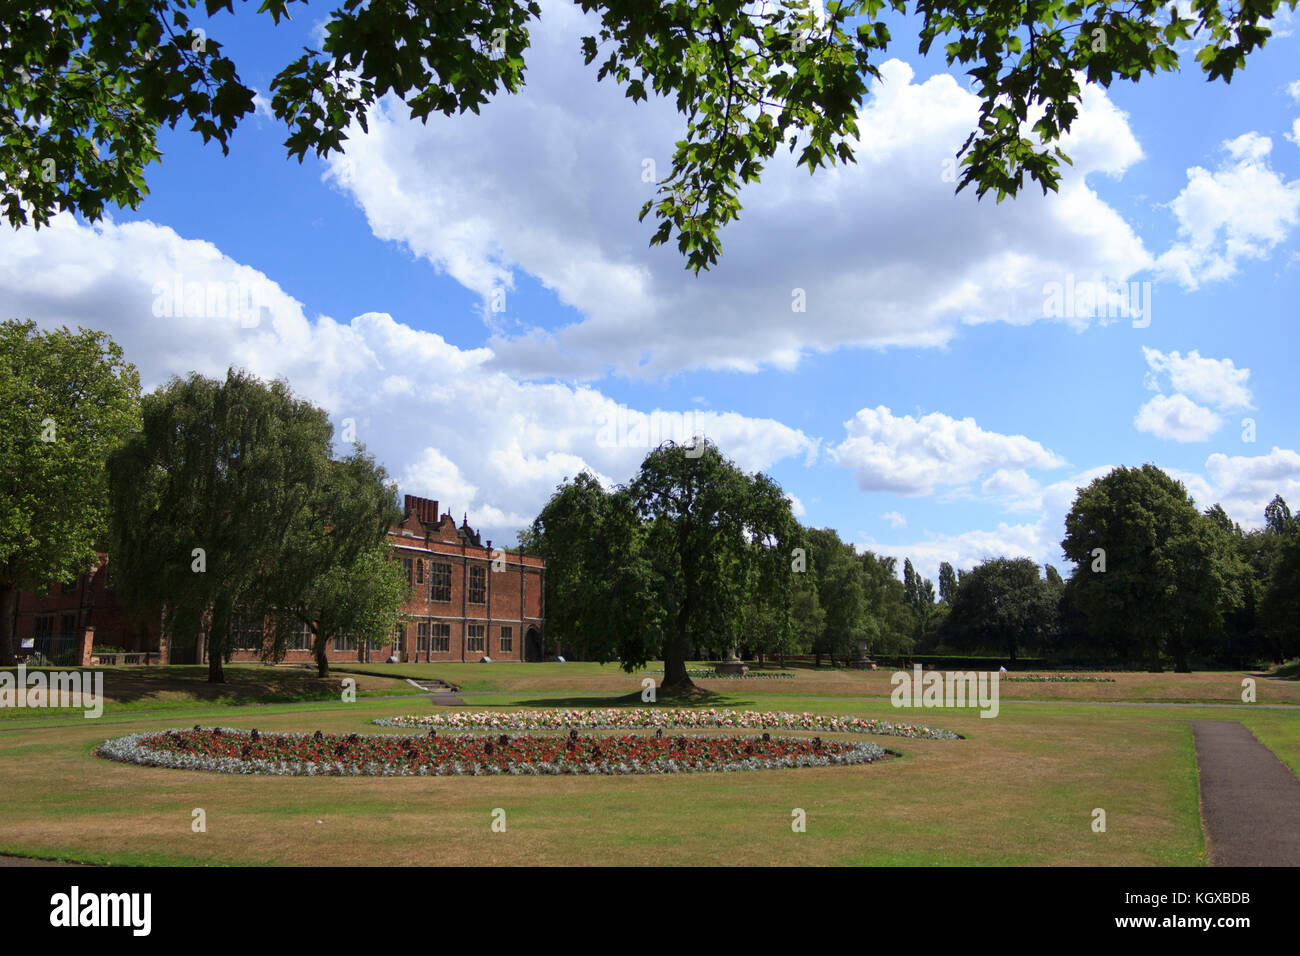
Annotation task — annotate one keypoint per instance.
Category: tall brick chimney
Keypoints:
(425, 509)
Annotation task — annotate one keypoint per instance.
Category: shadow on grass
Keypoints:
(1287, 671)
(182, 684)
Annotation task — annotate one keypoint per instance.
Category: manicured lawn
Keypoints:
(511, 676)
(1020, 790)
(1199, 687)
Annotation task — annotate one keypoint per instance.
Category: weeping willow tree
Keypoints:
(336, 576)
(204, 498)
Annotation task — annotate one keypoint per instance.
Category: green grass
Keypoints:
(592, 681)
(499, 674)
(1020, 790)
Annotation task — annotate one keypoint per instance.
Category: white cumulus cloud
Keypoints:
(1178, 418)
(547, 183)
(1217, 382)
(1244, 484)
(896, 519)
(915, 456)
(442, 419)
(1241, 210)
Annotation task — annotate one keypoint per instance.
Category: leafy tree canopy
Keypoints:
(1278, 518)
(87, 86)
(947, 582)
(1150, 568)
(1003, 603)
(67, 400)
(335, 574)
(204, 498)
(669, 562)
(1280, 603)
(841, 592)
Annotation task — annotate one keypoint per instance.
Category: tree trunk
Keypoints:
(676, 680)
(8, 639)
(1180, 653)
(322, 662)
(1153, 650)
(218, 634)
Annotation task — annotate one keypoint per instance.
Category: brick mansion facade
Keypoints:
(468, 601)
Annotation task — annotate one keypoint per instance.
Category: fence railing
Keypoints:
(64, 651)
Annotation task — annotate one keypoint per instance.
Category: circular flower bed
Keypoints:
(651, 718)
(236, 751)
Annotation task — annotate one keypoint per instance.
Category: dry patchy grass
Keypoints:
(1020, 790)
(587, 678)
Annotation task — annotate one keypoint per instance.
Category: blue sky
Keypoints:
(924, 404)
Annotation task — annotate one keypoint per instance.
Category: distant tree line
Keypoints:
(1154, 582)
(694, 557)
(222, 500)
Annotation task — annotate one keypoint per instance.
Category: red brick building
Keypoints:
(55, 623)
(469, 601)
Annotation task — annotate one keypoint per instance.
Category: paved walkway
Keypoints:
(1250, 800)
(447, 700)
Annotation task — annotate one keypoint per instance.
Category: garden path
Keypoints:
(1250, 799)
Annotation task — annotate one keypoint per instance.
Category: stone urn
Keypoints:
(862, 662)
(732, 665)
